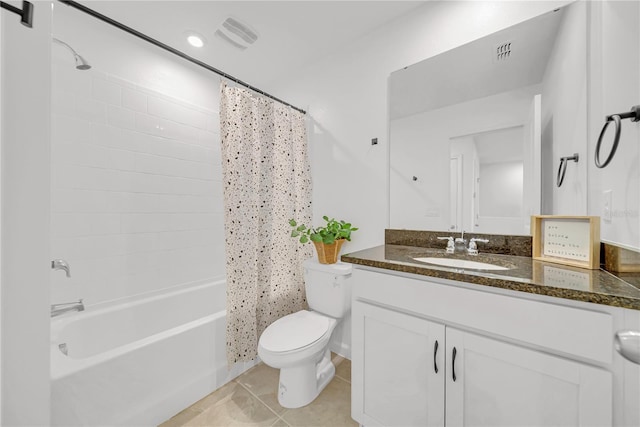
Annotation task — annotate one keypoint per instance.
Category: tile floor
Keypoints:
(251, 400)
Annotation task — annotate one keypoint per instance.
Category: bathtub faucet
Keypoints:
(58, 309)
(60, 264)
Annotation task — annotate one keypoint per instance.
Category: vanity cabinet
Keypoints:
(501, 384)
(401, 366)
(432, 354)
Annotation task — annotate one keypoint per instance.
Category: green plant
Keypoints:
(327, 234)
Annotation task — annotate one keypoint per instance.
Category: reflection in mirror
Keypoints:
(467, 127)
(491, 180)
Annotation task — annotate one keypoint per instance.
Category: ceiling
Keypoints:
(449, 78)
(292, 35)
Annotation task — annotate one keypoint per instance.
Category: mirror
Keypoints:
(472, 129)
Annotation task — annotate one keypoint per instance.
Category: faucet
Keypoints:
(473, 247)
(60, 264)
(450, 244)
(460, 243)
(58, 309)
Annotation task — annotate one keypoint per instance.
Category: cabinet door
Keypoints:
(398, 369)
(500, 384)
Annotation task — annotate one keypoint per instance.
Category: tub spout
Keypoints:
(60, 264)
(58, 309)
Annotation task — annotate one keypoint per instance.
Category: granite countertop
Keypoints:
(524, 274)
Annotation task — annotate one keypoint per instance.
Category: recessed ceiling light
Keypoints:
(195, 39)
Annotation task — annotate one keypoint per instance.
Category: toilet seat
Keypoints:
(294, 332)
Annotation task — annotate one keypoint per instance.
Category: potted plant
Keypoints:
(328, 239)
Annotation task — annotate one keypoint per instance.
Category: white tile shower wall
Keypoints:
(136, 188)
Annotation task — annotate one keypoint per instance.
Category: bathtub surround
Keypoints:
(136, 182)
(142, 375)
(137, 212)
(267, 182)
(136, 188)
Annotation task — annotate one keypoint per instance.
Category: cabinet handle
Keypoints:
(435, 351)
(453, 363)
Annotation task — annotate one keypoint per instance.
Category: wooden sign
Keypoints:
(568, 240)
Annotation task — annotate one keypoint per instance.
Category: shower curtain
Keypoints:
(267, 181)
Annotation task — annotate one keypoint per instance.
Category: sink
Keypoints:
(461, 263)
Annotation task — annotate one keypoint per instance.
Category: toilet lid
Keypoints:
(294, 331)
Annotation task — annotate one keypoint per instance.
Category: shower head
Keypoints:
(81, 63)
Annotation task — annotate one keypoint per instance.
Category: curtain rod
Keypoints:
(26, 13)
(168, 48)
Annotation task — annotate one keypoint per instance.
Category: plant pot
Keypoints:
(328, 254)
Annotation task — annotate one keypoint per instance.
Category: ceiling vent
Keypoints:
(237, 34)
(502, 51)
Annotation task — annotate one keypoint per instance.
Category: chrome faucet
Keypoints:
(460, 243)
(58, 309)
(60, 264)
(450, 244)
(473, 247)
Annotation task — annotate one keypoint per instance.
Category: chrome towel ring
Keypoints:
(634, 115)
(563, 167)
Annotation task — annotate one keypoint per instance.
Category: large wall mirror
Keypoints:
(472, 129)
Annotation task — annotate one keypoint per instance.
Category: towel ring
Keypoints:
(563, 167)
(634, 115)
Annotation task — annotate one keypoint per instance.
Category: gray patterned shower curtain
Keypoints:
(267, 181)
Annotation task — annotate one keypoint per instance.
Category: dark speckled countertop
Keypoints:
(524, 274)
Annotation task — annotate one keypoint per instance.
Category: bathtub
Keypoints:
(138, 362)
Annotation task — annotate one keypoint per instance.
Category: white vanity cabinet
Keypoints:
(400, 366)
(502, 384)
(516, 360)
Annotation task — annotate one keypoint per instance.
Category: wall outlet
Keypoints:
(607, 197)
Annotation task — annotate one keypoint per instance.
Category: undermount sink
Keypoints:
(461, 263)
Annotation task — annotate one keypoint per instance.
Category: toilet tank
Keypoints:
(328, 287)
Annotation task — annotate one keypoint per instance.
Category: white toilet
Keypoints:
(298, 344)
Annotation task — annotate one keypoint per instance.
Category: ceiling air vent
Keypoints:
(502, 52)
(237, 34)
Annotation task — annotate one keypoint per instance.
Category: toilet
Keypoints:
(298, 344)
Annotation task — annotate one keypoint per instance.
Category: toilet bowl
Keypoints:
(298, 344)
(303, 358)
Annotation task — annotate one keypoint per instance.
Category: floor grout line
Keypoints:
(279, 417)
(261, 401)
(343, 379)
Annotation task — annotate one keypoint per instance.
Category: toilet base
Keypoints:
(300, 385)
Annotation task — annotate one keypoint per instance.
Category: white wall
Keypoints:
(564, 116)
(421, 147)
(466, 147)
(346, 97)
(136, 173)
(503, 196)
(614, 88)
(25, 110)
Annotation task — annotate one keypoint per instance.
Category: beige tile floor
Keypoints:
(251, 400)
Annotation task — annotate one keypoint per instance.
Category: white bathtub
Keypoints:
(141, 361)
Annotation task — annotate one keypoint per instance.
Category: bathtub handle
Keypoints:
(60, 264)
